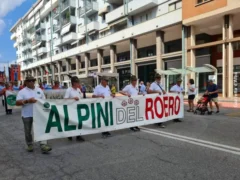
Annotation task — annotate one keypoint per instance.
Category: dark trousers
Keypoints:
(84, 95)
(8, 111)
(27, 122)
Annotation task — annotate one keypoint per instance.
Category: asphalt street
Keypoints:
(199, 148)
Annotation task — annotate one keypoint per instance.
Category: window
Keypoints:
(202, 1)
(219, 48)
(49, 30)
(172, 7)
(236, 46)
(146, 17)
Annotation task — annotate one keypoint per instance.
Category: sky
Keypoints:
(10, 12)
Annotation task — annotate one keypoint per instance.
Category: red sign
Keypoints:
(15, 73)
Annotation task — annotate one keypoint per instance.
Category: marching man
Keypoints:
(26, 98)
(131, 90)
(74, 93)
(102, 91)
(178, 90)
(156, 88)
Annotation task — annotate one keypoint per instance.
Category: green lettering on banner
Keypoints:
(67, 127)
(111, 114)
(93, 116)
(80, 117)
(100, 114)
(57, 123)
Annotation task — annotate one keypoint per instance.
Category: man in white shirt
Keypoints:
(74, 93)
(26, 98)
(142, 88)
(101, 91)
(132, 90)
(156, 88)
(177, 89)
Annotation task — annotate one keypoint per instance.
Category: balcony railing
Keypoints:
(90, 8)
(56, 28)
(68, 3)
(56, 12)
(71, 19)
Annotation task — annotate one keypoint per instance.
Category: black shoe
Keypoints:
(217, 111)
(79, 138)
(70, 138)
(161, 125)
(177, 120)
(133, 129)
(137, 128)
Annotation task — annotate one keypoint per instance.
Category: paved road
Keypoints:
(200, 148)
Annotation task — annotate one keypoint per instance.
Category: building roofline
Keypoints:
(29, 11)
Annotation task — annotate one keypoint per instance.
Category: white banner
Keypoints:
(66, 118)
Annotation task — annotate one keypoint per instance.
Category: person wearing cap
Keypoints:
(101, 91)
(74, 93)
(212, 91)
(131, 90)
(177, 89)
(157, 88)
(26, 98)
(56, 85)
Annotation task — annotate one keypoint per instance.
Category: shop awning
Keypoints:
(105, 29)
(118, 22)
(37, 22)
(37, 45)
(104, 10)
(65, 29)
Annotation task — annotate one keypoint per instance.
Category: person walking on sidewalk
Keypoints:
(212, 91)
(132, 90)
(191, 95)
(177, 88)
(74, 93)
(26, 98)
(156, 87)
(103, 91)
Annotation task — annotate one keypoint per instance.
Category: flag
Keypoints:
(47, 71)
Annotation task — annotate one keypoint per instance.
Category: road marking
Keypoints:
(208, 144)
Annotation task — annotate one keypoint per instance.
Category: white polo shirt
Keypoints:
(27, 93)
(72, 93)
(130, 89)
(176, 88)
(102, 91)
(156, 87)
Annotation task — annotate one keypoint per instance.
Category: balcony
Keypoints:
(26, 47)
(40, 26)
(47, 7)
(115, 14)
(27, 57)
(93, 26)
(68, 3)
(70, 37)
(36, 42)
(41, 51)
(57, 42)
(15, 44)
(34, 53)
(136, 6)
(56, 28)
(26, 36)
(71, 19)
(14, 36)
(91, 8)
(56, 12)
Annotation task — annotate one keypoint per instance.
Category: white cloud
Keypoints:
(5, 7)
(8, 5)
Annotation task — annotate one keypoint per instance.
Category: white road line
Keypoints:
(208, 144)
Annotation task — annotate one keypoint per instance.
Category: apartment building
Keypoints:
(213, 37)
(82, 37)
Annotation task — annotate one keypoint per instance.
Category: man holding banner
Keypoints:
(74, 93)
(102, 91)
(26, 98)
(131, 90)
(156, 87)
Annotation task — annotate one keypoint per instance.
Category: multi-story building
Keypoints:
(81, 37)
(213, 37)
